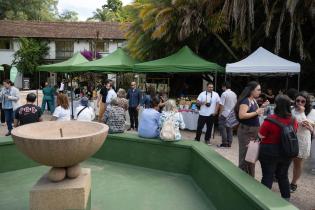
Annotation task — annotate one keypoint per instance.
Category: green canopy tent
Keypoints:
(183, 61)
(68, 66)
(117, 62)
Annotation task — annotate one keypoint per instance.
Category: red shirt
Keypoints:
(272, 132)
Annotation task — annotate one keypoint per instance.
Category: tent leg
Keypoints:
(287, 82)
(299, 77)
(71, 92)
(215, 81)
(225, 77)
(38, 87)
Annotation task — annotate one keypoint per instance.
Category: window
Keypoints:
(99, 46)
(5, 44)
(121, 44)
(64, 49)
(106, 46)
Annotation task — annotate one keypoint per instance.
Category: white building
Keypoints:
(63, 38)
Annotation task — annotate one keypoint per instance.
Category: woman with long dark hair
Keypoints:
(247, 111)
(272, 161)
(305, 116)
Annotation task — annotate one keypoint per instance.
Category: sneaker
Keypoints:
(223, 145)
(129, 129)
(208, 143)
(293, 188)
(8, 134)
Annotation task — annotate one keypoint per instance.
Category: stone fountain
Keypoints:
(61, 145)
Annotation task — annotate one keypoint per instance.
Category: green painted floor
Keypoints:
(115, 186)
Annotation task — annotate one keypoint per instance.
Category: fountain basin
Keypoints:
(42, 142)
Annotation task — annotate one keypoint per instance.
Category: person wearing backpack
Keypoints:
(247, 112)
(274, 162)
(170, 122)
(305, 116)
(84, 112)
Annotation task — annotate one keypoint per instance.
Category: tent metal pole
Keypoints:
(38, 86)
(215, 81)
(71, 92)
(287, 82)
(225, 77)
(299, 77)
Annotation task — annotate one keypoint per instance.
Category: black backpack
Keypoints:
(289, 141)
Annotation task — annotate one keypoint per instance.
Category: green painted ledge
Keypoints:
(225, 185)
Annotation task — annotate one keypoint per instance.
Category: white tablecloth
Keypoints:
(191, 120)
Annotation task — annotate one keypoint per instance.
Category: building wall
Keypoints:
(7, 56)
(52, 50)
(80, 46)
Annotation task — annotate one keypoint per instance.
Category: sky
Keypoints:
(84, 8)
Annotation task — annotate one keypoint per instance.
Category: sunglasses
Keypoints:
(300, 101)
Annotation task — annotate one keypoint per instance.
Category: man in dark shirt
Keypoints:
(28, 113)
(134, 97)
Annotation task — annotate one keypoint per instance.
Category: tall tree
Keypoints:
(287, 24)
(113, 11)
(233, 28)
(163, 26)
(30, 55)
(68, 15)
(113, 5)
(28, 10)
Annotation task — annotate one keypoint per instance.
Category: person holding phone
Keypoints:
(247, 112)
(305, 116)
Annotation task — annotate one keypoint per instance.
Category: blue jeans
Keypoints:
(8, 113)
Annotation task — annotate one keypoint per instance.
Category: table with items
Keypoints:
(190, 113)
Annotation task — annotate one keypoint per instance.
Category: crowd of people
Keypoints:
(160, 118)
(295, 111)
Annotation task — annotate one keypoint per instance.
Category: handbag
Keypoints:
(231, 120)
(252, 151)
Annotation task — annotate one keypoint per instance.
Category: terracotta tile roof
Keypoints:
(76, 30)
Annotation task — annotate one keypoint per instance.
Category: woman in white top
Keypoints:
(84, 112)
(305, 116)
(62, 111)
(170, 112)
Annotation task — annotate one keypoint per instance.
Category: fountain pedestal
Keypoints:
(66, 194)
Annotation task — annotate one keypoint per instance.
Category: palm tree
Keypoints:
(162, 27)
(103, 15)
(284, 20)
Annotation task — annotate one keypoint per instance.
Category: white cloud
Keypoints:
(84, 8)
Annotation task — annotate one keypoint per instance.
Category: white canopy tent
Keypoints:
(263, 62)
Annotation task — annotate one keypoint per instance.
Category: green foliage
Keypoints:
(68, 15)
(30, 55)
(223, 30)
(114, 11)
(113, 5)
(28, 10)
